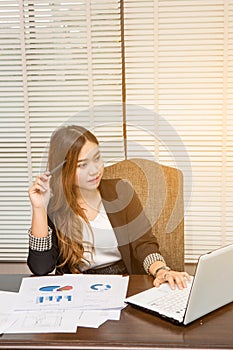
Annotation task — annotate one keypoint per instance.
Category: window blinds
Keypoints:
(179, 67)
(60, 63)
(14, 207)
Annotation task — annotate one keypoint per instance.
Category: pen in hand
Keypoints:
(57, 167)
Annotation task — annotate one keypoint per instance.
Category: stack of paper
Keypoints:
(62, 303)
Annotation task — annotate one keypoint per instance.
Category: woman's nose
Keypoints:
(94, 168)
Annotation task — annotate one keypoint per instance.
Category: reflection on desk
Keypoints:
(135, 330)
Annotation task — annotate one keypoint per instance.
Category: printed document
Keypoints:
(73, 291)
(63, 303)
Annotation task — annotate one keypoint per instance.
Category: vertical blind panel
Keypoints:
(228, 130)
(68, 70)
(65, 67)
(187, 64)
(74, 63)
(14, 206)
(140, 48)
(140, 52)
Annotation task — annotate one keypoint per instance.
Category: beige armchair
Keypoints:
(160, 189)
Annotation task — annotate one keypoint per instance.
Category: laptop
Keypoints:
(210, 288)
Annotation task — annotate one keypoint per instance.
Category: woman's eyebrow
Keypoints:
(86, 159)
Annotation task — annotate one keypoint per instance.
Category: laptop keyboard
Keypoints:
(172, 303)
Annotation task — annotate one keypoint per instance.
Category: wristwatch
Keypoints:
(164, 267)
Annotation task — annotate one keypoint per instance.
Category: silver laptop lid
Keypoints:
(213, 283)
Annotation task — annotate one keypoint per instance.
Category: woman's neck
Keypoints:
(90, 202)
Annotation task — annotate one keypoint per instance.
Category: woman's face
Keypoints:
(90, 167)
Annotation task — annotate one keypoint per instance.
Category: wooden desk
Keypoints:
(135, 330)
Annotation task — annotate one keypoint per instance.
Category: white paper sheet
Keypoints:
(103, 292)
(95, 318)
(45, 321)
(63, 303)
(73, 291)
(8, 300)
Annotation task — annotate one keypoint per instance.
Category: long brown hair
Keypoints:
(64, 211)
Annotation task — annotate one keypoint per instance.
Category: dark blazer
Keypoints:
(131, 227)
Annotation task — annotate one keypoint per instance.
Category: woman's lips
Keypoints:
(96, 179)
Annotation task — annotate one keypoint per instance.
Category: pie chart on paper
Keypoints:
(100, 286)
(55, 288)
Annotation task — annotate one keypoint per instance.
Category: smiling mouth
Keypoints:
(96, 179)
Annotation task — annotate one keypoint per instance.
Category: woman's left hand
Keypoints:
(174, 278)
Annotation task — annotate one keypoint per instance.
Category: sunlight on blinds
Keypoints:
(179, 66)
(60, 63)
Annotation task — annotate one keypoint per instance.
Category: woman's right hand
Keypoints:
(39, 192)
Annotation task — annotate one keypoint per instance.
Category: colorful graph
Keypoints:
(100, 286)
(54, 294)
(55, 288)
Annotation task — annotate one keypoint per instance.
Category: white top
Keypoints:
(104, 240)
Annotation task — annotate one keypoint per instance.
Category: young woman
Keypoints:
(82, 223)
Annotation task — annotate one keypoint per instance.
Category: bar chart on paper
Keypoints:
(49, 292)
(54, 294)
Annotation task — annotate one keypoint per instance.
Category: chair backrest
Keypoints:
(160, 189)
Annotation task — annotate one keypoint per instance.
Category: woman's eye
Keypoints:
(82, 165)
(97, 158)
